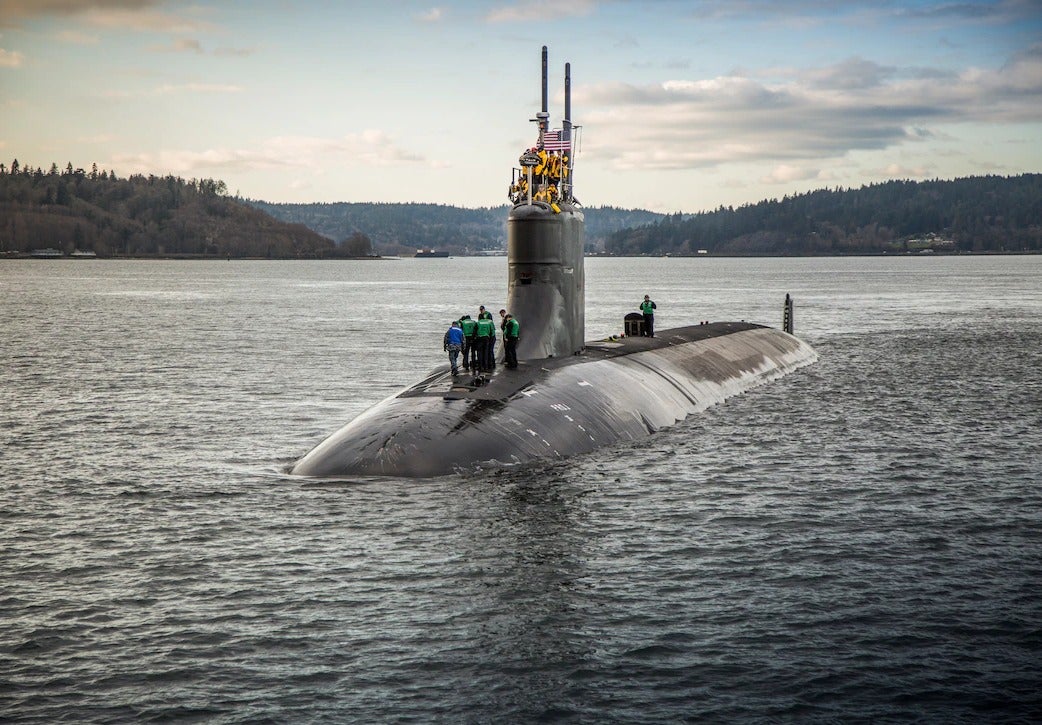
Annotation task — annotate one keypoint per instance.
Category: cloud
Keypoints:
(540, 11)
(180, 45)
(75, 37)
(1003, 11)
(98, 138)
(172, 89)
(197, 88)
(144, 21)
(851, 74)
(803, 12)
(365, 149)
(433, 15)
(897, 171)
(819, 114)
(234, 52)
(786, 173)
(11, 58)
(141, 15)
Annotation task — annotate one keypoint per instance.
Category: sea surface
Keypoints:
(860, 541)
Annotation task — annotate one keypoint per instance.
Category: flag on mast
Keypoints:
(552, 141)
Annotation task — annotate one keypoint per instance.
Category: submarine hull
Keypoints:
(550, 409)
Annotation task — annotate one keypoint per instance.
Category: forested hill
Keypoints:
(978, 214)
(73, 209)
(404, 228)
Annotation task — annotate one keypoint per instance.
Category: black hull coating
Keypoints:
(555, 408)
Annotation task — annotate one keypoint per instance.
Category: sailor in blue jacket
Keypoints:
(453, 344)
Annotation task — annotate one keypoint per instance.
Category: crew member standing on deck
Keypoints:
(470, 327)
(486, 331)
(490, 355)
(648, 308)
(511, 334)
(454, 344)
(503, 327)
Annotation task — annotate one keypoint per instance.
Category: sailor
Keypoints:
(511, 334)
(544, 161)
(484, 314)
(502, 329)
(491, 344)
(648, 308)
(454, 339)
(485, 331)
(470, 327)
(555, 166)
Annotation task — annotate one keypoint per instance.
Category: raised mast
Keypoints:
(543, 117)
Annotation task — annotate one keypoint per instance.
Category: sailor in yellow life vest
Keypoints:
(557, 165)
(544, 159)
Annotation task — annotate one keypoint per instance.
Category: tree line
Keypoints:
(974, 214)
(76, 209)
(402, 228)
(94, 210)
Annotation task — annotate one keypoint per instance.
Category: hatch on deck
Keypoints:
(633, 324)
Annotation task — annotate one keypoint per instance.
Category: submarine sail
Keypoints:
(545, 240)
(567, 396)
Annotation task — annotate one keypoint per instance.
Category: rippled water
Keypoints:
(861, 540)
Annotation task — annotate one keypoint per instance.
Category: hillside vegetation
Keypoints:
(73, 209)
(978, 214)
(404, 228)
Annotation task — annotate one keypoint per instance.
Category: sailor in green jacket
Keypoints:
(648, 308)
(470, 327)
(486, 330)
(511, 334)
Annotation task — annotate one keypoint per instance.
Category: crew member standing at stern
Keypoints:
(648, 308)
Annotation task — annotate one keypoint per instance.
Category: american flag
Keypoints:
(552, 141)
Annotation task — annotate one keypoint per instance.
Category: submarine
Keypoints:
(566, 397)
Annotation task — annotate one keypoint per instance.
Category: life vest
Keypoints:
(555, 167)
(648, 308)
(469, 327)
(513, 329)
(544, 159)
(486, 328)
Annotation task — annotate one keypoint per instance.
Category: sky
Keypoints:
(683, 105)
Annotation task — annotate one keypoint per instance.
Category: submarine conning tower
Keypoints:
(545, 240)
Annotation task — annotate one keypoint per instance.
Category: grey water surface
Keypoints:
(858, 541)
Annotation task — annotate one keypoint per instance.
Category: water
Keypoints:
(861, 540)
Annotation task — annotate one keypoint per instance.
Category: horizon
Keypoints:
(683, 106)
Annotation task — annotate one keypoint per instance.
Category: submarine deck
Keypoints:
(502, 383)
